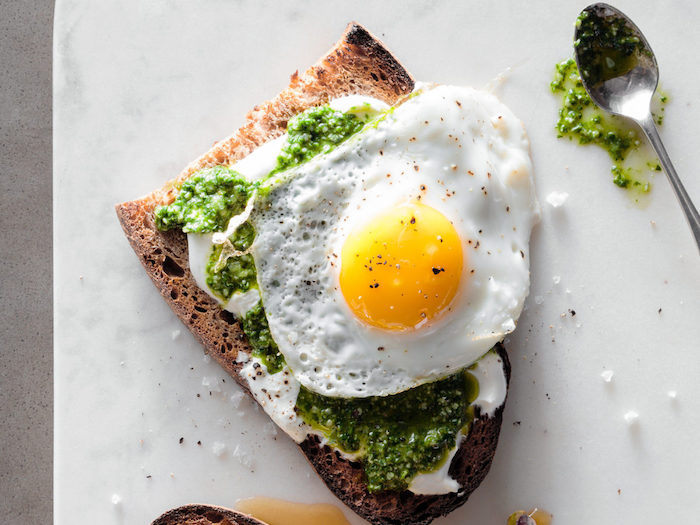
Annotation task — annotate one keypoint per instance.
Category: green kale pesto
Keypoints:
(397, 436)
(316, 131)
(581, 120)
(593, 127)
(206, 202)
(607, 45)
(254, 324)
(238, 273)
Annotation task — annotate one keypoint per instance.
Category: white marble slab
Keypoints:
(141, 88)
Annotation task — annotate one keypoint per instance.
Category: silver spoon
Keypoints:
(619, 72)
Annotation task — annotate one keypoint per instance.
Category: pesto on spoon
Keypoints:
(619, 72)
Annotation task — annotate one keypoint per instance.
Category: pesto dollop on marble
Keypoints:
(397, 436)
(206, 202)
(581, 120)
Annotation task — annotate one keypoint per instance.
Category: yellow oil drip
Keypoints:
(539, 516)
(279, 512)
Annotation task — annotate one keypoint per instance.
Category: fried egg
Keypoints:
(401, 256)
(398, 258)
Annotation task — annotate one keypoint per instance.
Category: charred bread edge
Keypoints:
(357, 64)
(202, 514)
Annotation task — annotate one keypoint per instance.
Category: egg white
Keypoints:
(472, 156)
(277, 392)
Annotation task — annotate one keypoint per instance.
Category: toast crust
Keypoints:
(199, 514)
(357, 64)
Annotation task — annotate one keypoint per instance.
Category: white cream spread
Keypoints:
(439, 481)
(493, 386)
(240, 303)
(261, 161)
(492, 394)
(277, 395)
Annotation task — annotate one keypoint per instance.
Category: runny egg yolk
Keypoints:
(402, 268)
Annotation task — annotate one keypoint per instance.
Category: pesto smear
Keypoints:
(206, 202)
(237, 273)
(581, 120)
(254, 324)
(314, 132)
(396, 436)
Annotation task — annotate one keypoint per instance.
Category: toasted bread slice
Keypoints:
(357, 64)
(204, 515)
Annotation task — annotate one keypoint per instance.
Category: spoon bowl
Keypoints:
(619, 71)
(620, 78)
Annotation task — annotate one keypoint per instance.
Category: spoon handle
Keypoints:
(691, 214)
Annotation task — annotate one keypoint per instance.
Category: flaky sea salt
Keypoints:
(672, 394)
(236, 399)
(218, 448)
(211, 383)
(631, 417)
(243, 457)
(607, 375)
(557, 198)
(508, 326)
(539, 299)
(270, 429)
(116, 499)
(175, 334)
(556, 279)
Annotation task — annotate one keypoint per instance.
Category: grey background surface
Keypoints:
(26, 349)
